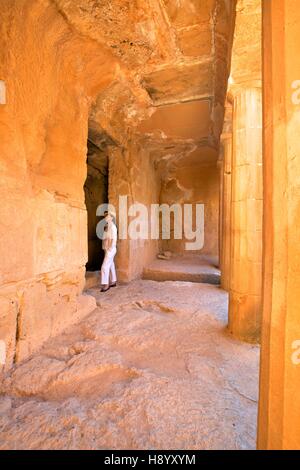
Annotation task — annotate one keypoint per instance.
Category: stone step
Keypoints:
(183, 269)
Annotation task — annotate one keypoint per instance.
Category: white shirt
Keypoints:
(110, 237)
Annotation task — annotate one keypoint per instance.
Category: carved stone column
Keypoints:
(246, 216)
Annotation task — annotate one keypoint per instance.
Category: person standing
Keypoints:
(109, 245)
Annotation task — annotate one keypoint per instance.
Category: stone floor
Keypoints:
(153, 367)
(191, 268)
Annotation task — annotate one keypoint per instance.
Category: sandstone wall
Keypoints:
(192, 185)
(102, 67)
(279, 402)
(43, 126)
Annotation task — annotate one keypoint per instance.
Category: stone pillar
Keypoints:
(220, 165)
(226, 143)
(279, 402)
(246, 216)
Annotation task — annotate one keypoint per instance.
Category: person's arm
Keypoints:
(110, 237)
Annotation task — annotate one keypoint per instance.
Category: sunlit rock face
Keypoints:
(246, 64)
(51, 75)
(145, 78)
(169, 52)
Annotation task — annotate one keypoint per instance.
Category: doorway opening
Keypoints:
(96, 193)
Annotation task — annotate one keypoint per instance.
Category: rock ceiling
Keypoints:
(174, 61)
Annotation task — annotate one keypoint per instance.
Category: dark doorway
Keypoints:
(96, 193)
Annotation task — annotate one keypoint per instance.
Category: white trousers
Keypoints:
(108, 270)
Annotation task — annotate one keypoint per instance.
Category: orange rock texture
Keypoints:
(164, 102)
(131, 78)
(139, 372)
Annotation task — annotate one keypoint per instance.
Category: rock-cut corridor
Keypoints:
(152, 368)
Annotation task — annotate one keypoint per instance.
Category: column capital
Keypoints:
(235, 89)
(225, 136)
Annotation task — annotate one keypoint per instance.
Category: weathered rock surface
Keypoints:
(191, 268)
(144, 79)
(152, 368)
